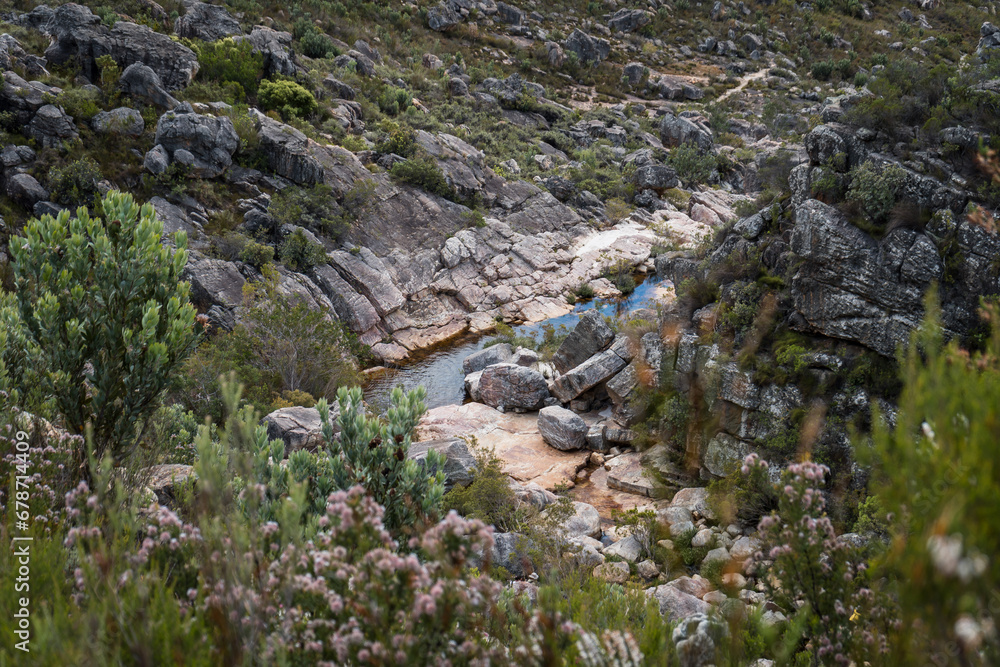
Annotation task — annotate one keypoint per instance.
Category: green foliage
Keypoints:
(105, 314)
(398, 139)
(506, 334)
(394, 101)
(229, 61)
(288, 98)
(620, 273)
(81, 103)
(280, 345)
(372, 453)
(692, 166)
(316, 208)
(316, 44)
(489, 497)
(936, 474)
(822, 69)
(875, 189)
(75, 183)
(424, 173)
(256, 254)
(298, 253)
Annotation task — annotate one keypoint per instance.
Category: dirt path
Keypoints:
(744, 80)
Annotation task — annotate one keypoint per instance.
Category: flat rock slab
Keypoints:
(627, 473)
(607, 500)
(515, 437)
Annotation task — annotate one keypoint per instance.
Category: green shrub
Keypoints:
(257, 254)
(394, 100)
(424, 173)
(489, 497)
(584, 291)
(691, 165)
(230, 61)
(80, 103)
(106, 316)
(75, 183)
(316, 208)
(398, 139)
(288, 98)
(316, 44)
(621, 274)
(875, 188)
(745, 495)
(298, 253)
(822, 69)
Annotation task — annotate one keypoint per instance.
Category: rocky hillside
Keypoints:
(808, 180)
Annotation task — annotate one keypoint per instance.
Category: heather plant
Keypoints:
(105, 315)
(939, 489)
(286, 97)
(822, 577)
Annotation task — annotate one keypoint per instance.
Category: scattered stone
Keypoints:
(51, 126)
(676, 605)
(206, 22)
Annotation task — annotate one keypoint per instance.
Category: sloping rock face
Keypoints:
(206, 22)
(79, 35)
(854, 287)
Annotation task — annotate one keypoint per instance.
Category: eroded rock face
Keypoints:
(598, 368)
(275, 45)
(206, 22)
(51, 126)
(628, 20)
(591, 335)
(563, 429)
(204, 144)
(79, 34)
(587, 48)
(854, 287)
(510, 386)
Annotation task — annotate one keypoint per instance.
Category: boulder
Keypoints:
(628, 20)
(442, 17)
(13, 55)
(599, 368)
(276, 48)
(656, 177)
(21, 98)
(460, 462)
(165, 480)
(629, 548)
(585, 521)
(206, 22)
(472, 385)
(675, 605)
(510, 15)
(561, 428)
(79, 35)
(214, 282)
(298, 427)
(695, 500)
(744, 548)
(588, 49)
(510, 386)
(989, 42)
(697, 638)
(287, 152)
(338, 88)
(24, 189)
(142, 83)
(156, 160)
(724, 454)
(614, 573)
(494, 354)
(51, 126)
(510, 552)
(122, 120)
(675, 131)
(205, 144)
(590, 336)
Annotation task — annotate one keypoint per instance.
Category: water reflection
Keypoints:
(440, 370)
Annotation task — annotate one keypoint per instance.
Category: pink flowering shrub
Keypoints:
(821, 576)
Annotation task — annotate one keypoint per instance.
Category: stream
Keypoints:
(439, 369)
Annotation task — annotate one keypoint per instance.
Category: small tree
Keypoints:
(106, 316)
(371, 452)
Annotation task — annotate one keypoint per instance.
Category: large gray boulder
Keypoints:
(591, 335)
(142, 83)
(24, 189)
(276, 48)
(494, 354)
(22, 98)
(697, 638)
(206, 22)
(675, 130)
(442, 17)
(585, 521)
(510, 552)
(287, 152)
(52, 126)
(989, 42)
(13, 55)
(561, 428)
(460, 462)
(628, 20)
(676, 605)
(297, 427)
(655, 177)
(79, 35)
(509, 386)
(166, 479)
(599, 368)
(588, 49)
(214, 282)
(204, 144)
(123, 121)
